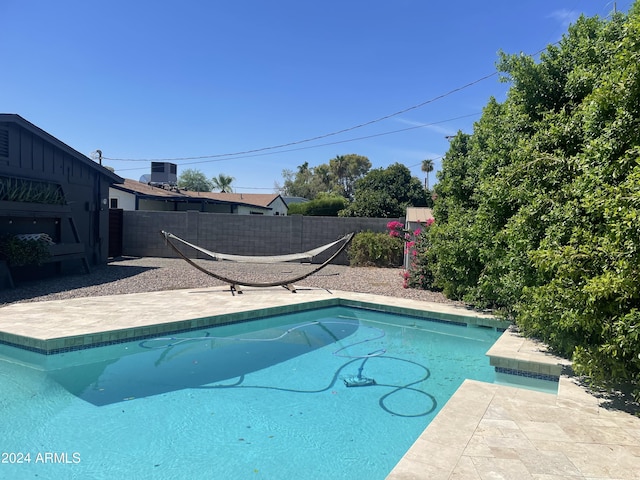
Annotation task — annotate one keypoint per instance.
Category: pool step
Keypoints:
(514, 354)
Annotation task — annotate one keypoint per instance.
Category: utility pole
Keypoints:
(99, 152)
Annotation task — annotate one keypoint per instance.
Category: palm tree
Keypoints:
(223, 183)
(427, 167)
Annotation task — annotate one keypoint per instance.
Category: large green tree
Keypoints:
(538, 211)
(386, 193)
(345, 170)
(194, 180)
(456, 238)
(337, 177)
(306, 182)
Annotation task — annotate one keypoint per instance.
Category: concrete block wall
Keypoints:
(239, 234)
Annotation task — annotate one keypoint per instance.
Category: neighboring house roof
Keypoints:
(290, 200)
(257, 199)
(262, 200)
(144, 190)
(18, 120)
(418, 214)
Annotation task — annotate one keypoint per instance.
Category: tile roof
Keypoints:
(257, 199)
(134, 186)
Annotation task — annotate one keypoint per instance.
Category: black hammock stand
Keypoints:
(234, 283)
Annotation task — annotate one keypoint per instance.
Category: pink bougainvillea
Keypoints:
(405, 279)
(395, 228)
(415, 247)
(395, 225)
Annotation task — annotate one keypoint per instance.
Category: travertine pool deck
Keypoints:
(485, 431)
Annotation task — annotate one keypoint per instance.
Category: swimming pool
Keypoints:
(265, 399)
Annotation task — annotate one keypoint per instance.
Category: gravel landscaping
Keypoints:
(135, 275)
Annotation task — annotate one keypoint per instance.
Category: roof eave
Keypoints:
(18, 120)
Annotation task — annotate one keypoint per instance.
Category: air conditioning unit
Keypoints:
(164, 173)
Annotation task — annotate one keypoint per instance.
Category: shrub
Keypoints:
(295, 209)
(369, 249)
(325, 206)
(416, 247)
(18, 253)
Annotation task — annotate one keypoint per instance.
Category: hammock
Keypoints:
(288, 283)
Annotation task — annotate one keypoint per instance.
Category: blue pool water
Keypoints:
(266, 399)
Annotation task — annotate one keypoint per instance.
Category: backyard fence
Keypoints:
(239, 234)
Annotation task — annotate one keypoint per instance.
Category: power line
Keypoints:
(319, 137)
(423, 125)
(255, 188)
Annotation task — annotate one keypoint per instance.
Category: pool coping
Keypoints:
(99, 331)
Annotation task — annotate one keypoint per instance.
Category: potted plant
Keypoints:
(19, 252)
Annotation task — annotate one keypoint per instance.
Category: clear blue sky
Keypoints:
(155, 80)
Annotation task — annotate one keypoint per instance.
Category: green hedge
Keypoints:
(320, 207)
(369, 249)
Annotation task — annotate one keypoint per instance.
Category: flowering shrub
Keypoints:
(417, 275)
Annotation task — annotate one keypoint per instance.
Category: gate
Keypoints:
(115, 232)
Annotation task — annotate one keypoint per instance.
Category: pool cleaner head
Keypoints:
(358, 381)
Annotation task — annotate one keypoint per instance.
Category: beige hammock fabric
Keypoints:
(288, 283)
(293, 257)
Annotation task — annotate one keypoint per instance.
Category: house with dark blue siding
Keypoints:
(50, 190)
